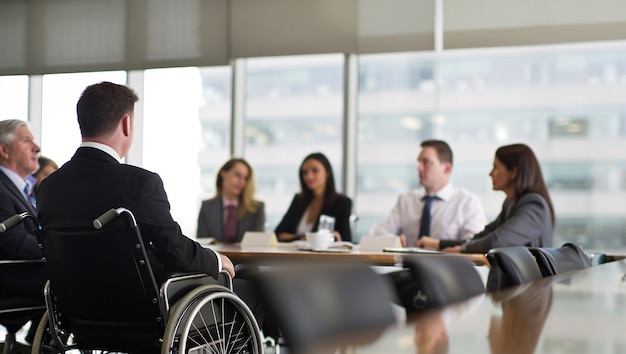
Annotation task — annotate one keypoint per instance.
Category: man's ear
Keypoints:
(126, 128)
(4, 151)
(447, 167)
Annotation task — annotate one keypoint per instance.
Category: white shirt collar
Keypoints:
(106, 148)
(226, 202)
(444, 193)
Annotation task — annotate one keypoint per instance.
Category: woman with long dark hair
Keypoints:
(318, 196)
(527, 216)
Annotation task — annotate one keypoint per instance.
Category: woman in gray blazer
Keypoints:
(527, 216)
(235, 191)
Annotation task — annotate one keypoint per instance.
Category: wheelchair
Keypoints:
(17, 310)
(102, 295)
(20, 280)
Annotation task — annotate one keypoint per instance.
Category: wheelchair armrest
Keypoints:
(224, 279)
(20, 261)
(178, 284)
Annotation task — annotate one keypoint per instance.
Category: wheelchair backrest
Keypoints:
(101, 281)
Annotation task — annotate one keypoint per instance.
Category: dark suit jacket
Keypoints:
(17, 243)
(93, 182)
(523, 222)
(340, 209)
(211, 220)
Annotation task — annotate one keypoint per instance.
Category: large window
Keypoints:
(566, 102)
(60, 134)
(293, 108)
(186, 134)
(14, 93)
(215, 125)
(183, 141)
(397, 105)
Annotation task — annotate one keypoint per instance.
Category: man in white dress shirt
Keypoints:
(455, 213)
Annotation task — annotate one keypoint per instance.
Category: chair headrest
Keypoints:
(511, 266)
(319, 303)
(437, 281)
(552, 261)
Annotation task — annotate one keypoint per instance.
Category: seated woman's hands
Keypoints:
(454, 249)
(433, 244)
(428, 243)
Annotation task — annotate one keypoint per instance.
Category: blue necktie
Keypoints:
(425, 221)
(28, 190)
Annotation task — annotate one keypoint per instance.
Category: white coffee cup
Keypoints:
(319, 240)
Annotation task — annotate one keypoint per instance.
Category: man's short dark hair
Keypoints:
(101, 106)
(444, 153)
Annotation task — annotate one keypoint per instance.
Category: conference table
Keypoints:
(576, 312)
(290, 253)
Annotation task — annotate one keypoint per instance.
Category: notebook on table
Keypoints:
(411, 250)
(334, 247)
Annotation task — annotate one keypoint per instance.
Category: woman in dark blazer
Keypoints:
(527, 216)
(235, 187)
(318, 197)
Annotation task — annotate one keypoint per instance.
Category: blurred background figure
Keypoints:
(318, 196)
(439, 209)
(233, 210)
(527, 216)
(46, 167)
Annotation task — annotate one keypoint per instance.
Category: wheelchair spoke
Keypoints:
(224, 344)
(206, 345)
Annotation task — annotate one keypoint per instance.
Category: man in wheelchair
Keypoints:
(95, 180)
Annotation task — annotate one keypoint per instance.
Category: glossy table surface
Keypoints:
(289, 252)
(576, 312)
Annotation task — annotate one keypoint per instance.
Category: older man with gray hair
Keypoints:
(18, 159)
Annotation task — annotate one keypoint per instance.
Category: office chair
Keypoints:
(102, 295)
(511, 266)
(327, 305)
(17, 309)
(432, 281)
(552, 261)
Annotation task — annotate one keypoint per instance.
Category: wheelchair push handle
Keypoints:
(13, 221)
(110, 215)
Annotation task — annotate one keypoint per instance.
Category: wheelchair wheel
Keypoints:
(44, 342)
(211, 319)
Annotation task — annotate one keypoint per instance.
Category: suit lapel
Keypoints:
(16, 193)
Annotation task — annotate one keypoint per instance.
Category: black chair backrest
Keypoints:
(20, 278)
(511, 266)
(103, 285)
(18, 304)
(554, 261)
(318, 304)
(436, 281)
